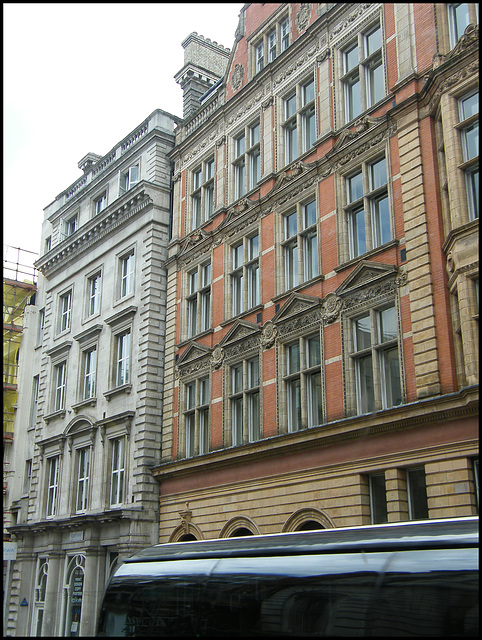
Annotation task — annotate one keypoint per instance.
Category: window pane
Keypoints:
(375, 88)
(253, 285)
(196, 179)
(237, 292)
(293, 358)
(237, 256)
(255, 169)
(378, 499)
(355, 187)
(363, 333)
(469, 106)
(391, 378)
(417, 494)
(290, 106)
(310, 256)
(365, 392)
(253, 247)
(373, 41)
(308, 92)
(272, 46)
(472, 182)
(313, 352)
(315, 410)
(388, 324)
(291, 225)
(358, 238)
(309, 214)
(190, 435)
(309, 133)
(378, 174)
(253, 373)
(204, 431)
(291, 265)
(204, 391)
(291, 142)
(237, 379)
(240, 146)
(254, 429)
(190, 396)
(237, 417)
(459, 20)
(208, 200)
(205, 310)
(209, 169)
(381, 221)
(353, 97)
(470, 141)
(206, 275)
(351, 57)
(294, 405)
(254, 134)
(285, 34)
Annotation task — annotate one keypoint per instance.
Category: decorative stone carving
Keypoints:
(217, 357)
(330, 308)
(303, 17)
(268, 335)
(402, 278)
(237, 77)
(221, 141)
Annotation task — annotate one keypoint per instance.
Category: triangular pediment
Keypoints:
(240, 331)
(193, 352)
(364, 275)
(296, 304)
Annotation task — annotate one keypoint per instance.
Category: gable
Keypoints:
(365, 275)
(295, 305)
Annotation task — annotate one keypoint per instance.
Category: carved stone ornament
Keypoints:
(217, 357)
(330, 308)
(268, 335)
(237, 77)
(402, 278)
(303, 17)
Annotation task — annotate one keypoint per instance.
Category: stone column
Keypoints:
(53, 596)
(91, 594)
(397, 498)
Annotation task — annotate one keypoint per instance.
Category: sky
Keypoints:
(78, 78)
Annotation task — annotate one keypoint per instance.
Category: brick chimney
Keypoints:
(204, 64)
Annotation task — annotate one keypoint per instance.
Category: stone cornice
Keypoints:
(460, 405)
(95, 230)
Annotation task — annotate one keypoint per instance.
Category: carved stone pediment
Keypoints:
(289, 174)
(240, 331)
(364, 275)
(193, 352)
(297, 304)
(357, 129)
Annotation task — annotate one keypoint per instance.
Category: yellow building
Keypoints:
(19, 285)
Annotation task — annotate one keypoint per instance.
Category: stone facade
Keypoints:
(91, 429)
(324, 236)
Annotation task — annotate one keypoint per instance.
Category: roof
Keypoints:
(428, 533)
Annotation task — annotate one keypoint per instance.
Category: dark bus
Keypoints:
(404, 579)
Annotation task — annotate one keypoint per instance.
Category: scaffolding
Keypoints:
(19, 285)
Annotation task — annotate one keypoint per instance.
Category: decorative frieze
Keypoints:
(237, 76)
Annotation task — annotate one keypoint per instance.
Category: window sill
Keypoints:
(125, 388)
(365, 256)
(243, 314)
(196, 337)
(53, 416)
(89, 402)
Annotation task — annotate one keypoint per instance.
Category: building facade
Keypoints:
(91, 419)
(322, 324)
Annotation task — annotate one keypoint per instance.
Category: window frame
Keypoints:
(473, 18)
(117, 473)
(246, 165)
(196, 414)
(122, 357)
(378, 498)
(93, 294)
(126, 276)
(52, 486)
(365, 208)
(298, 118)
(265, 49)
(414, 494)
(60, 385)
(376, 352)
(65, 311)
(69, 225)
(299, 383)
(202, 192)
(244, 411)
(470, 163)
(82, 485)
(197, 306)
(300, 261)
(361, 71)
(89, 373)
(243, 289)
(129, 178)
(100, 203)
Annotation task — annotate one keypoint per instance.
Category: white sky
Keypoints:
(78, 77)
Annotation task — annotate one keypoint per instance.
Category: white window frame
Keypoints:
(70, 224)
(363, 205)
(126, 273)
(365, 68)
(202, 192)
(247, 159)
(129, 177)
(100, 203)
(299, 124)
(245, 401)
(60, 385)
(302, 382)
(197, 400)
(244, 279)
(456, 28)
(273, 41)
(117, 489)
(122, 373)
(94, 283)
(89, 372)
(53, 473)
(300, 244)
(469, 124)
(198, 300)
(376, 354)
(65, 311)
(83, 457)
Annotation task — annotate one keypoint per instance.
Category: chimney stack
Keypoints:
(204, 64)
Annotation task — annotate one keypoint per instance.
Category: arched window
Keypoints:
(39, 595)
(73, 591)
(187, 537)
(242, 531)
(310, 525)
